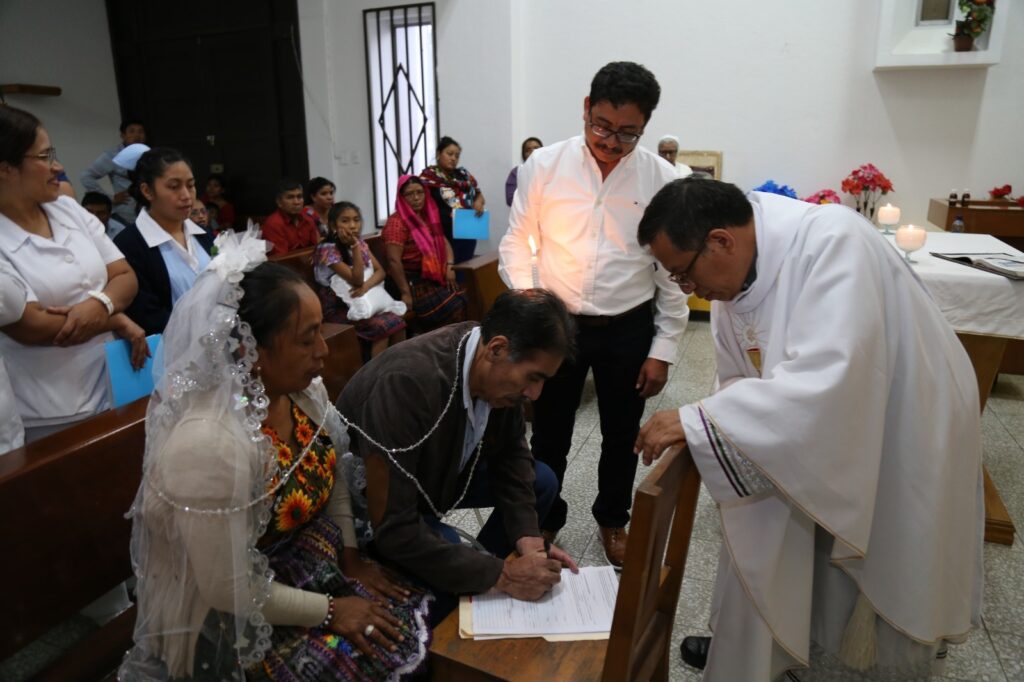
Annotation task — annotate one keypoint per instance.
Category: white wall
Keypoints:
(474, 77)
(67, 44)
(787, 93)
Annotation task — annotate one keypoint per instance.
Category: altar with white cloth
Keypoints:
(985, 310)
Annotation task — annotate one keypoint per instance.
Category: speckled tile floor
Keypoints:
(994, 652)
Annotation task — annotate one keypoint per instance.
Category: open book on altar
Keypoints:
(1003, 264)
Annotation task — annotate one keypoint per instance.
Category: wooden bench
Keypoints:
(641, 633)
(300, 261)
(66, 537)
(482, 283)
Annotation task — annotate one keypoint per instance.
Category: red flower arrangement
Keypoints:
(866, 184)
(825, 196)
(1001, 192)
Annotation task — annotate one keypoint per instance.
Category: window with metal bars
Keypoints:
(401, 83)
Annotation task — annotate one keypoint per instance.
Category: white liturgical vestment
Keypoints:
(847, 409)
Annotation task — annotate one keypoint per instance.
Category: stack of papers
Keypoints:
(581, 606)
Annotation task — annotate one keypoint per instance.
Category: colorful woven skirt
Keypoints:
(435, 304)
(309, 561)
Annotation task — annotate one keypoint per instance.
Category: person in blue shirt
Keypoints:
(132, 132)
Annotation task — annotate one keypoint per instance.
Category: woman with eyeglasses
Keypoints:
(453, 187)
(77, 286)
(420, 258)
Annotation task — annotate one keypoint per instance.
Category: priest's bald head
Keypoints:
(702, 233)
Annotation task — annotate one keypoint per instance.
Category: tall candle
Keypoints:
(888, 215)
(533, 262)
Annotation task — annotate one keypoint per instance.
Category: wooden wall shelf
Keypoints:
(27, 89)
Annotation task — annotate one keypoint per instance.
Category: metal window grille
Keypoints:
(401, 83)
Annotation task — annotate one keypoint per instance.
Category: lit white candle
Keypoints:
(533, 262)
(910, 238)
(889, 215)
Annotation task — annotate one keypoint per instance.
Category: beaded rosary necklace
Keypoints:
(390, 452)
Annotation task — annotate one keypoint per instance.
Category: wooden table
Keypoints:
(987, 312)
(518, 660)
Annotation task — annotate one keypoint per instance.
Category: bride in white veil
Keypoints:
(243, 540)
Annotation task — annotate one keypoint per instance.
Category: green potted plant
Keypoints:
(977, 17)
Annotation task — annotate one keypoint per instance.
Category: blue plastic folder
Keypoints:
(466, 224)
(126, 383)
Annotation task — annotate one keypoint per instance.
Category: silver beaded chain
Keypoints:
(390, 451)
(252, 503)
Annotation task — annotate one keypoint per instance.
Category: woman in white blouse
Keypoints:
(77, 285)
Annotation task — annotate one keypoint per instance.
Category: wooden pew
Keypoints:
(482, 283)
(66, 538)
(300, 261)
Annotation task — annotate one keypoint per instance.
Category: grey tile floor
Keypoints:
(994, 652)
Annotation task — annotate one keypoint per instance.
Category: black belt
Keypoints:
(606, 320)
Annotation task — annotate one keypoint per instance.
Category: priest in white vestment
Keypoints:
(842, 445)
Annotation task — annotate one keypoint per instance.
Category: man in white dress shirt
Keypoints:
(580, 201)
(843, 445)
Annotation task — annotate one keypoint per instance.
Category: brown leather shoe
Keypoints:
(614, 541)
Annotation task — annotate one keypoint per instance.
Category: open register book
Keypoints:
(999, 263)
(580, 607)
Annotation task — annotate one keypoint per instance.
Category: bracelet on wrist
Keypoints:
(330, 612)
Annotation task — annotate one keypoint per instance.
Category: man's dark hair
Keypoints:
(687, 210)
(287, 185)
(446, 142)
(626, 82)
(270, 295)
(130, 122)
(17, 134)
(531, 320)
(93, 198)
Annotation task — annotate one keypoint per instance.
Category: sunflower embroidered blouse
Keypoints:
(310, 481)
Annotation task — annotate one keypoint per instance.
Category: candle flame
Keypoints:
(533, 245)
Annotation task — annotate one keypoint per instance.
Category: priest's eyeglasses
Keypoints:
(604, 133)
(683, 278)
(47, 155)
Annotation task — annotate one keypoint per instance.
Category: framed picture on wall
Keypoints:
(708, 162)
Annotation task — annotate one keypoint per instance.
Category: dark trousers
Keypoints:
(615, 349)
(492, 536)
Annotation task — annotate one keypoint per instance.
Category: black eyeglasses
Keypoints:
(683, 278)
(47, 155)
(604, 133)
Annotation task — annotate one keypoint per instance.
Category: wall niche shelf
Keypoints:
(27, 89)
(903, 44)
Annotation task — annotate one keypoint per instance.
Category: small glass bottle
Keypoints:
(958, 225)
(953, 197)
(965, 198)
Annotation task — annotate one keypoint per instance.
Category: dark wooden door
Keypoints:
(219, 81)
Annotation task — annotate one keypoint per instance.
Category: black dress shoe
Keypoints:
(695, 651)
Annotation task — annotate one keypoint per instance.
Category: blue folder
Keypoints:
(467, 225)
(127, 384)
